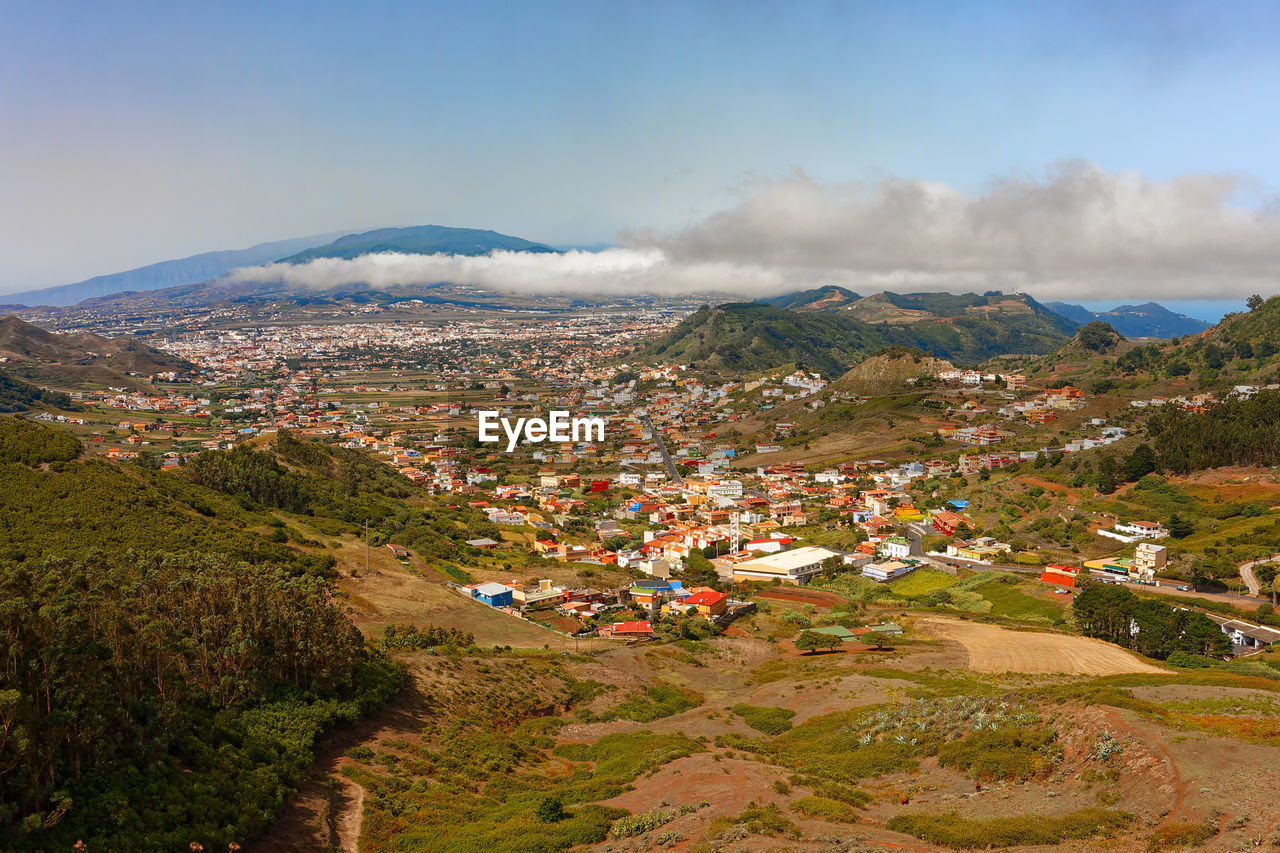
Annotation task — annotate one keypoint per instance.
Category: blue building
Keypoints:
(493, 594)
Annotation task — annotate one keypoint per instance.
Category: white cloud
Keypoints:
(1076, 232)
(574, 272)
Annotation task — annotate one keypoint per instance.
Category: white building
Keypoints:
(797, 566)
(726, 489)
(894, 549)
(1143, 529)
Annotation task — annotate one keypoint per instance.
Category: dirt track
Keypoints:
(993, 649)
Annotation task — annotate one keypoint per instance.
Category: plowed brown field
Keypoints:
(994, 649)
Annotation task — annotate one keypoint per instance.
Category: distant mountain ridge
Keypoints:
(1148, 320)
(420, 240)
(174, 273)
(207, 266)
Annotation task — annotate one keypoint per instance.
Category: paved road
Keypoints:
(1250, 579)
(1245, 602)
(672, 471)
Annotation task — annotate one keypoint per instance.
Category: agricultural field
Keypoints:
(993, 649)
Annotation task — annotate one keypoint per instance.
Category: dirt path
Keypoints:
(322, 818)
(351, 819)
(1049, 486)
(994, 649)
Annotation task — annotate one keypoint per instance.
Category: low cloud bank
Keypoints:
(613, 271)
(1076, 232)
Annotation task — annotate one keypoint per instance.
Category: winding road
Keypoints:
(1250, 579)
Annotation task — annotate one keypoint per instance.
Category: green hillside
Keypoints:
(827, 298)
(19, 396)
(1243, 349)
(161, 653)
(739, 338)
(420, 240)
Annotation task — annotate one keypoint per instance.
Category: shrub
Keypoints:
(550, 810)
(1174, 835)
(756, 820)
(658, 701)
(770, 720)
(1190, 661)
(1011, 753)
(823, 808)
(951, 830)
(795, 617)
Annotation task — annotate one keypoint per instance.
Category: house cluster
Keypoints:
(977, 379)
(1043, 407)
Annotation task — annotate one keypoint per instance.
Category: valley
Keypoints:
(818, 588)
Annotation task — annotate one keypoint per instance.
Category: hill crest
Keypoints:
(46, 358)
(420, 240)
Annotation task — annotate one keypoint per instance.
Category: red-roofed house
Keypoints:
(626, 629)
(1060, 575)
(708, 602)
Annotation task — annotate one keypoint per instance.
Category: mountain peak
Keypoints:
(1148, 320)
(420, 240)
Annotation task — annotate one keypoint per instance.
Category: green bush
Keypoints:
(770, 720)
(795, 617)
(951, 830)
(823, 808)
(1012, 753)
(659, 700)
(757, 820)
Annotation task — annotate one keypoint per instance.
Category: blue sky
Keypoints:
(135, 132)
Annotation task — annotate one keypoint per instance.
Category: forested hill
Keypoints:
(173, 649)
(19, 396)
(1233, 432)
(739, 338)
(1243, 349)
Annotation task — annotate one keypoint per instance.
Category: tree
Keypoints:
(811, 641)
(699, 570)
(1200, 635)
(617, 543)
(875, 639)
(1140, 463)
(1254, 302)
(1179, 527)
(1156, 633)
(1106, 474)
(1266, 575)
(1104, 611)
